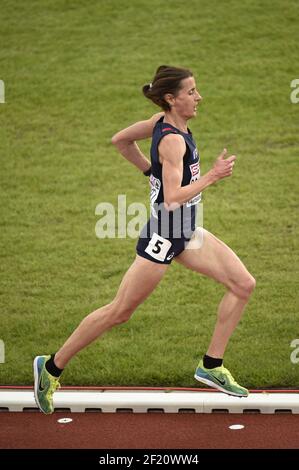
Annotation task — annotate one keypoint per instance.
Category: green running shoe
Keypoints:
(44, 385)
(220, 378)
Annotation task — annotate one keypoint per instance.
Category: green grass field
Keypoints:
(73, 73)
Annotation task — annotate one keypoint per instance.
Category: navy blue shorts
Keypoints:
(159, 249)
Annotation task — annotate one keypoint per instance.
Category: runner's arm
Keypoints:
(172, 149)
(125, 141)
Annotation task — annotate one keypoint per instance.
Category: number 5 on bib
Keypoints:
(158, 247)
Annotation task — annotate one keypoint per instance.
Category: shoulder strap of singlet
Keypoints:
(162, 129)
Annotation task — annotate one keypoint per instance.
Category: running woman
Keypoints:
(170, 234)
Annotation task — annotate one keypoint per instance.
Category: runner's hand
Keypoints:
(223, 167)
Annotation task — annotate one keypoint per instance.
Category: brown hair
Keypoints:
(167, 80)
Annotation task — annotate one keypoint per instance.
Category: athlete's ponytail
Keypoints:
(167, 80)
(146, 88)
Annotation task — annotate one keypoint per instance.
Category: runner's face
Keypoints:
(188, 98)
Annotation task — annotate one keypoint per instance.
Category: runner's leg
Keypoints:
(216, 260)
(139, 281)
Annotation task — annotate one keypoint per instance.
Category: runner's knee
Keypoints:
(121, 312)
(245, 286)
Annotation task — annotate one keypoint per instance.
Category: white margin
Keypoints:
(145, 401)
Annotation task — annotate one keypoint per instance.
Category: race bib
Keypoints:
(158, 247)
(155, 188)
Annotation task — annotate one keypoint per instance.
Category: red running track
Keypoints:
(94, 430)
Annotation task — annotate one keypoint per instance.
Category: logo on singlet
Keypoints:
(195, 174)
(194, 170)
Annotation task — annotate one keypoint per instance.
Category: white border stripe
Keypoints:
(143, 401)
